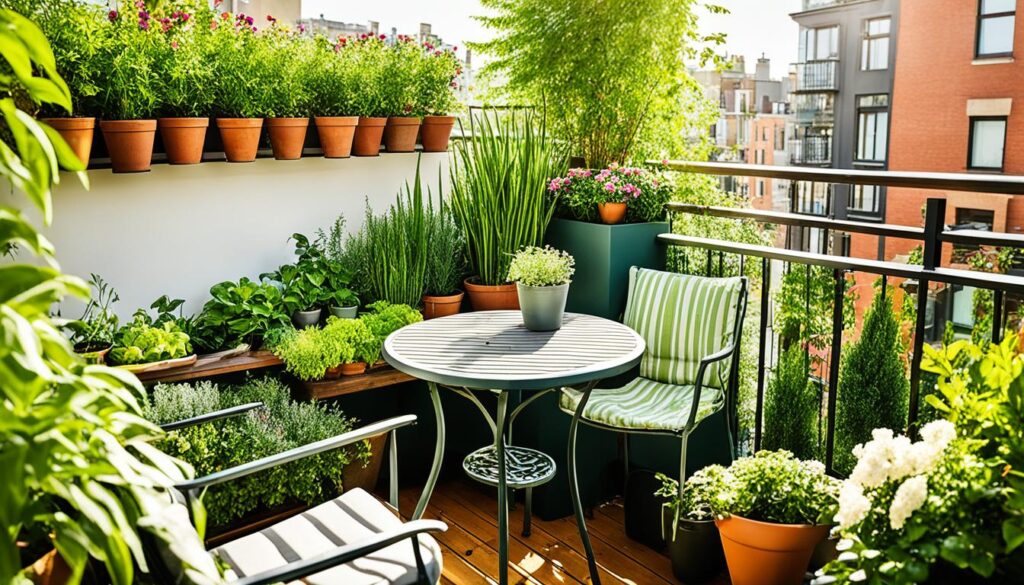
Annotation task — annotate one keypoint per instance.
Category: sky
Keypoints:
(753, 26)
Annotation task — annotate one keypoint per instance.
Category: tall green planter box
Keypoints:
(604, 254)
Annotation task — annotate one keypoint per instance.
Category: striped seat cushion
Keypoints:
(349, 518)
(683, 319)
(643, 404)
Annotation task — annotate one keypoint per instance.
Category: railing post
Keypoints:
(833, 367)
(766, 284)
(997, 316)
(934, 225)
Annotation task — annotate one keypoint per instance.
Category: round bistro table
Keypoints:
(493, 351)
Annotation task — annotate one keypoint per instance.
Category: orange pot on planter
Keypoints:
(336, 133)
(501, 297)
(129, 143)
(183, 139)
(77, 132)
(50, 569)
(435, 133)
(241, 137)
(442, 306)
(287, 135)
(611, 213)
(353, 369)
(369, 132)
(400, 133)
(764, 553)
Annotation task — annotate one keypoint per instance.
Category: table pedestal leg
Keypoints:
(435, 469)
(574, 489)
(499, 447)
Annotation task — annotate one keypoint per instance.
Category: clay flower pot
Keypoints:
(435, 133)
(368, 136)
(333, 373)
(241, 137)
(336, 133)
(353, 369)
(501, 297)
(129, 143)
(183, 139)
(93, 354)
(764, 553)
(400, 133)
(287, 135)
(611, 213)
(442, 306)
(77, 132)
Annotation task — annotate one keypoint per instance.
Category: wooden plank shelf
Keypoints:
(372, 379)
(214, 364)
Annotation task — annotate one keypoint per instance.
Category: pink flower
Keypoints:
(664, 161)
(588, 173)
(302, 28)
(270, 18)
(174, 44)
(140, 4)
(609, 187)
(554, 185)
(144, 24)
(213, 25)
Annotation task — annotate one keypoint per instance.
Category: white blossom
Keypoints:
(853, 505)
(858, 576)
(910, 496)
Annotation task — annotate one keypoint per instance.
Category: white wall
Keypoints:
(177, 230)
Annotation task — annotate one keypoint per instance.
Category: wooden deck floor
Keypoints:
(553, 554)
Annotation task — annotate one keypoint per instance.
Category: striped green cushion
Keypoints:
(683, 319)
(644, 404)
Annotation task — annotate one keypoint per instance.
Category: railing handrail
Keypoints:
(968, 182)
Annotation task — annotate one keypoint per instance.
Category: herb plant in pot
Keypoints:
(288, 108)
(402, 68)
(693, 541)
(344, 304)
(367, 62)
(439, 70)
(772, 510)
(331, 85)
(93, 333)
(303, 282)
(542, 277)
(445, 267)
(242, 84)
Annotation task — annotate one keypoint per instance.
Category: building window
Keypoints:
(780, 139)
(760, 188)
(872, 127)
(811, 198)
(987, 139)
(971, 219)
(875, 47)
(819, 44)
(865, 200)
(764, 133)
(995, 28)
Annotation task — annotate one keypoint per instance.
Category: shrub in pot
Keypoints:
(542, 277)
(401, 69)
(772, 510)
(331, 85)
(446, 261)
(688, 526)
(499, 178)
(367, 59)
(288, 106)
(437, 80)
(612, 195)
(92, 335)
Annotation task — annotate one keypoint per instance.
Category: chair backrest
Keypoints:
(683, 319)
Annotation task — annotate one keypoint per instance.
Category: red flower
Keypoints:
(383, 37)
(112, 15)
(224, 16)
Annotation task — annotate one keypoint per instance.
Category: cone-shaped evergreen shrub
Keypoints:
(873, 385)
(792, 407)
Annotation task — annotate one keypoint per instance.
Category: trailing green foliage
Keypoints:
(499, 179)
(283, 424)
(533, 266)
(792, 407)
(873, 386)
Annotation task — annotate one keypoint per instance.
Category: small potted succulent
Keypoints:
(446, 266)
(693, 542)
(93, 333)
(772, 510)
(438, 79)
(542, 277)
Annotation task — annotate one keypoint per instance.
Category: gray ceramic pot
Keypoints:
(345, 312)
(542, 306)
(303, 319)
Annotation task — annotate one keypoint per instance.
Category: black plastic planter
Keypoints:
(696, 550)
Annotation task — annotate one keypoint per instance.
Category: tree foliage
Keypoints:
(792, 407)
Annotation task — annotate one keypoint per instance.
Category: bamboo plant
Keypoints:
(499, 182)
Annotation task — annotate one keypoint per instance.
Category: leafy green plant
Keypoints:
(694, 504)
(287, 55)
(139, 342)
(303, 283)
(353, 332)
(184, 54)
(243, 70)
(437, 77)
(533, 266)
(578, 194)
(383, 319)
(775, 486)
(95, 329)
(873, 385)
(446, 255)
(241, 313)
(129, 83)
(367, 59)
(310, 352)
(328, 78)
(792, 407)
(499, 179)
(805, 302)
(281, 425)
(401, 70)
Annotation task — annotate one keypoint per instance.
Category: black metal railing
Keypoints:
(819, 75)
(932, 237)
(811, 150)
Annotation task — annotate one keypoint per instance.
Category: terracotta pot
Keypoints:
(50, 569)
(93, 355)
(130, 144)
(287, 135)
(611, 213)
(353, 369)
(241, 137)
(183, 139)
(763, 553)
(358, 476)
(435, 132)
(77, 132)
(501, 297)
(442, 306)
(336, 133)
(369, 132)
(333, 373)
(400, 133)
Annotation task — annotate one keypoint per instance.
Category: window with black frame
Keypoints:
(875, 46)
(865, 201)
(995, 28)
(986, 143)
(872, 128)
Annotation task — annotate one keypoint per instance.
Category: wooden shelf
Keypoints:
(214, 364)
(376, 378)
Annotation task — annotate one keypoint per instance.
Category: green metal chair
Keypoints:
(689, 370)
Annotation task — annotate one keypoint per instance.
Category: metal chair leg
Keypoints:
(682, 463)
(574, 492)
(528, 511)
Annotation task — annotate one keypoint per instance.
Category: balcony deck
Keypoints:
(552, 554)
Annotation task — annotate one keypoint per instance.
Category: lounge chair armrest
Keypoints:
(699, 384)
(342, 440)
(342, 554)
(211, 416)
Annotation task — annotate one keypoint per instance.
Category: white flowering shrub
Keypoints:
(545, 266)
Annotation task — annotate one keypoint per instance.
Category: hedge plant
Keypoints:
(792, 408)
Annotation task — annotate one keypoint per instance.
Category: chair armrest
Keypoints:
(342, 554)
(699, 384)
(211, 416)
(354, 436)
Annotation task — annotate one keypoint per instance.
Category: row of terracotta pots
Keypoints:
(130, 142)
